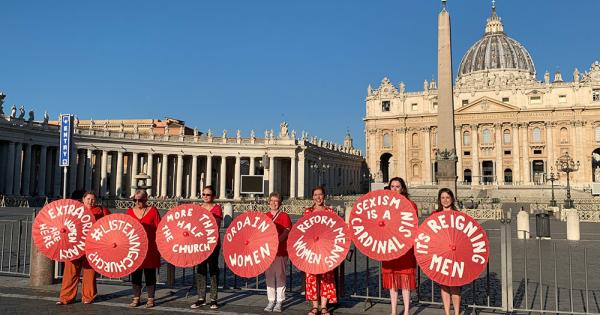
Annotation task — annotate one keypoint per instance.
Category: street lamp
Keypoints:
(552, 178)
(320, 168)
(566, 164)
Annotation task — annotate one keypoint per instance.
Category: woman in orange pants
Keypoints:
(70, 280)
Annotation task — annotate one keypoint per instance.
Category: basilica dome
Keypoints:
(496, 52)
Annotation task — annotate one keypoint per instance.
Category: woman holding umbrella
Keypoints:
(400, 273)
(446, 202)
(327, 280)
(208, 197)
(149, 218)
(73, 269)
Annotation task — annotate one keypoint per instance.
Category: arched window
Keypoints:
(564, 135)
(537, 135)
(466, 138)
(506, 136)
(415, 140)
(487, 136)
(387, 141)
(597, 133)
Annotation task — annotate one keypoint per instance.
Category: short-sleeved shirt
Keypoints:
(282, 223)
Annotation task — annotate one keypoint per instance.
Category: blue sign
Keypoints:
(66, 132)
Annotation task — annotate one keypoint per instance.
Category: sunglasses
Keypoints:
(206, 195)
(140, 200)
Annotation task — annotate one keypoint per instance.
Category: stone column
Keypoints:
(252, 169)
(516, 170)
(81, 159)
(132, 173)
(401, 159)
(73, 171)
(550, 145)
(459, 154)
(163, 175)
(208, 178)
(41, 181)
(27, 170)
(237, 178)
(526, 165)
(475, 154)
(179, 177)
(119, 175)
(194, 178)
(427, 158)
(42, 268)
(150, 172)
(271, 174)
(223, 178)
(577, 155)
(499, 165)
(103, 173)
(88, 170)
(17, 169)
(10, 168)
(293, 177)
(301, 174)
(57, 173)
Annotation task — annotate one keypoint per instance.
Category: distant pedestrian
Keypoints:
(149, 218)
(400, 273)
(275, 275)
(212, 263)
(72, 269)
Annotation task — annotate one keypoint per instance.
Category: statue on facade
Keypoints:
(283, 130)
(252, 134)
(13, 111)
(2, 96)
(76, 121)
(576, 75)
(182, 131)
(31, 115)
(22, 112)
(91, 126)
(224, 134)
(121, 127)
(166, 130)
(195, 132)
(547, 77)
(294, 134)
(136, 129)
(105, 126)
(272, 134)
(46, 118)
(402, 87)
(425, 86)
(209, 133)
(238, 134)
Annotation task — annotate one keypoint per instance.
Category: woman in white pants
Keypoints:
(275, 275)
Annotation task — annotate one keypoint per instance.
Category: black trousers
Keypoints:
(149, 274)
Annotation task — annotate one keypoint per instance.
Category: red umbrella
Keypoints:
(187, 235)
(60, 228)
(117, 245)
(383, 224)
(250, 244)
(451, 248)
(318, 242)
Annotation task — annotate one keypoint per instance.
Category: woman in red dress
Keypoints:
(400, 273)
(74, 268)
(149, 218)
(446, 202)
(326, 280)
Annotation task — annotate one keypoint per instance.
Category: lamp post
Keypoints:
(566, 164)
(320, 168)
(552, 178)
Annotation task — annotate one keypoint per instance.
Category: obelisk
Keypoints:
(446, 156)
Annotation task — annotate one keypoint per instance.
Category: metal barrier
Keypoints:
(15, 239)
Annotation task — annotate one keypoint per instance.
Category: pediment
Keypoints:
(486, 105)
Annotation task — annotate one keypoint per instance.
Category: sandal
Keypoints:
(86, 302)
(313, 311)
(198, 304)
(150, 303)
(213, 305)
(135, 302)
(61, 303)
(324, 311)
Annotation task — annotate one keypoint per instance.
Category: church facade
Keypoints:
(510, 128)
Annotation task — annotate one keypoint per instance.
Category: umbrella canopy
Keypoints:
(451, 248)
(250, 244)
(117, 245)
(318, 242)
(60, 228)
(383, 224)
(187, 235)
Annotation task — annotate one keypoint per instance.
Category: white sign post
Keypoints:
(66, 135)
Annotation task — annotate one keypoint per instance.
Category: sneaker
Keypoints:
(277, 308)
(198, 304)
(269, 307)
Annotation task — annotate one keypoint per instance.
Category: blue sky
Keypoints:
(251, 64)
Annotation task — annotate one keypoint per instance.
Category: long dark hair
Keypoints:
(439, 199)
(403, 187)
